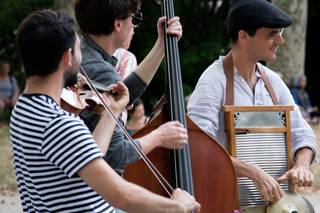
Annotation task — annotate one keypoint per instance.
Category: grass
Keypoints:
(7, 176)
(8, 180)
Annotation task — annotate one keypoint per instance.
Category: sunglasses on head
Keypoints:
(137, 19)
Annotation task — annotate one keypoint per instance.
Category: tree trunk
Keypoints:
(291, 55)
(68, 7)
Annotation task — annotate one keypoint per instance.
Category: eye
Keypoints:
(273, 34)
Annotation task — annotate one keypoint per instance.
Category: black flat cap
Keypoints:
(254, 14)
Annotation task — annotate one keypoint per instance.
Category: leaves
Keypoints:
(12, 12)
(204, 38)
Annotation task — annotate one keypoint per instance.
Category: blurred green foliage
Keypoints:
(12, 13)
(204, 37)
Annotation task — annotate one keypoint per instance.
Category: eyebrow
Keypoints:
(275, 31)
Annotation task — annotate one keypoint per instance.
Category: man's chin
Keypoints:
(270, 58)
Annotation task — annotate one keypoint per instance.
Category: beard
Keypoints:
(71, 74)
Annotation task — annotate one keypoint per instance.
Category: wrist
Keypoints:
(255, 172)
(303, 157)
(302, 164)
(115, 112)
(156, 138)
(160, 46)
(180, 207)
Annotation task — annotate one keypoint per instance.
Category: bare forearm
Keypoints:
(170, 135)
(149, 202)
(122, 194)
(304, 157)
(243, 169)
(149, 142)
(148, 67)
(103, 132)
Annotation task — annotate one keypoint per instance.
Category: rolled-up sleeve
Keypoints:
(135, 86)
(301, 133)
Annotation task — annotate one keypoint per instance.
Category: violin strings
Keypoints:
(164, 183)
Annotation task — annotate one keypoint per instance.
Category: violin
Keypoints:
(78, 97)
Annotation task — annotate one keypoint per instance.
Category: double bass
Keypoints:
(202, 167)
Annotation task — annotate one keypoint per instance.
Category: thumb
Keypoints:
(283, 178)
(174, 194)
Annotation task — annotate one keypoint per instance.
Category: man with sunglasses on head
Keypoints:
(106, 26)
(255, 28)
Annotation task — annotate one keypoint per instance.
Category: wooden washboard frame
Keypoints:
(247, 127)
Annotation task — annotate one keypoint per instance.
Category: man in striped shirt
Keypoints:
(58, 164)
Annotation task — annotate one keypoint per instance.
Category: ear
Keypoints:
(67, 58)
(242, 35)
(117, 25)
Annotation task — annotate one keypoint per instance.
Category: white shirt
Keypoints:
(204, 106)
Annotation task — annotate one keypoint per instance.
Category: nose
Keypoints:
(279, 40)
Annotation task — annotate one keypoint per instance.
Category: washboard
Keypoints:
(259, 135)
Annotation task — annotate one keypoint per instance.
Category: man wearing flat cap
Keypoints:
(255, 28)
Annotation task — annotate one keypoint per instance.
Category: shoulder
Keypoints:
(125, 56)
(90, 56)
(211, 85)
(279, 87)
(121, 52)
(65, 129)
(214, 74)
(13, 78)
(273, 77)
(64, 121)
(294, 91)
(97, 68)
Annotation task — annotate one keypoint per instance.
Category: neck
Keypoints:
(140, 119)
(3, 76)
(50, 85)
(136, 123)
(245, 64)
(106, 42)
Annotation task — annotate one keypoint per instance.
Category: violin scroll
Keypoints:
(79, 97)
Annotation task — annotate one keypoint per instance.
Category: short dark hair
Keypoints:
(97, 17)
(233, 31)
(4, 61)
(42, 39)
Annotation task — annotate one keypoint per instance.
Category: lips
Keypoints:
(274, 50)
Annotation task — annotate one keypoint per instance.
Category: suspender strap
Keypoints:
(229, 73)
(268, 85)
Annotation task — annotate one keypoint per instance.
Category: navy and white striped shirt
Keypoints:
(50, 146)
